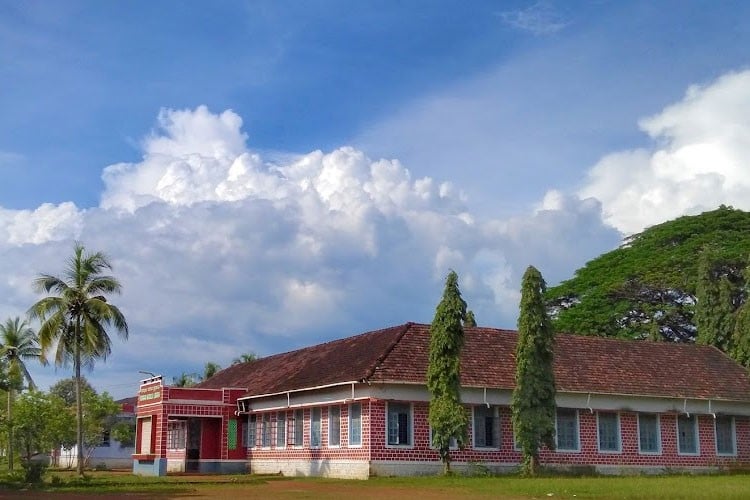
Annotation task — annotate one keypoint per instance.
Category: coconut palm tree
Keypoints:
(18, 343)
(75, 318)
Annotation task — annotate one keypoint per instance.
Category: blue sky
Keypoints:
(227, 155)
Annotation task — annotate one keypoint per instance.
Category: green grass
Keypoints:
(503, 487)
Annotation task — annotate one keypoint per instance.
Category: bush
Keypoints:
(33, 472)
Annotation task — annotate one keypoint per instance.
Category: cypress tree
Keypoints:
(533, 403)
(447, 416)
(470, 320)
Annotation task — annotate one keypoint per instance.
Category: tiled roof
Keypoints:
(582, 364)
(345, 360)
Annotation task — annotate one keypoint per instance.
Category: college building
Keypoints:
(357, 407)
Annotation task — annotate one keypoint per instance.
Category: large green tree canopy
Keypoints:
(647, 287)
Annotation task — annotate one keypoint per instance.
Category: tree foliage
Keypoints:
(533, 402)
(649, 287)
(76, 315)
(247, 357)
(447, 416)
(18, 344)
(470, 320)
(42, 422)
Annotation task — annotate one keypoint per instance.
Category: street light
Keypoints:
(148, 373)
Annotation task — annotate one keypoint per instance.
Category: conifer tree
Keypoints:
(447, 416)
(533, 403)
(470, 320)
(740, 349)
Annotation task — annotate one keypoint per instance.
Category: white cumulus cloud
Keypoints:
(700, 159)
(221, 251)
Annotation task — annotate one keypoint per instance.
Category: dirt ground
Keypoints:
(272, 489)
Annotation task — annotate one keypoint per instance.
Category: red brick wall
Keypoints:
(588, 454)
(325, 452)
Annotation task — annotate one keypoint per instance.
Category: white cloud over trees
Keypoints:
(700, 159)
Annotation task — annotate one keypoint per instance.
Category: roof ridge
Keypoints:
(404, 328)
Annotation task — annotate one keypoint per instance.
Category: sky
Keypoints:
(266, 175)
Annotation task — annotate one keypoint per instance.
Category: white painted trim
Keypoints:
(304, 389)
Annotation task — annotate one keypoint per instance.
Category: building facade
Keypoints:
(358, 406)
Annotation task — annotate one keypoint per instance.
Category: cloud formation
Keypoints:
(700, 159)
(222, 251)
(538, 19)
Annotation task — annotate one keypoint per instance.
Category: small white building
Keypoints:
(110, 454)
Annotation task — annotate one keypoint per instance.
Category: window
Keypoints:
(299, 425)
(334, 426)
(315, 428)
(649, 437)
(567, 429)
(281, 429)
(608, 426)
(355, 424)
(725, 437)
(687, 435)
(486, 427)
(399, 424)
(265, 436)
(176, 435)
(252, 423)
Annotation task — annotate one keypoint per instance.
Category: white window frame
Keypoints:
(497, 428)
(598, 431)
(696, 430)
(280, 430)
(266, 431)
(319, 412)
(658, 434)
(298, 424)
(733, 430)
(410, 444)
(578, 432)
(330, 426)
(252, 431)
(351, 426)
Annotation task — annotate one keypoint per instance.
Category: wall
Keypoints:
(395, 460)
(333, 461)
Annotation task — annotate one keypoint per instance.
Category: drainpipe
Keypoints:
(485, 398)
(352, 391)
(588, 404)
(684, 409)
(288, 399)
(713, 414)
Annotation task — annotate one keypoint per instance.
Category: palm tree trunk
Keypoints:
(10, 429)
(79, 403)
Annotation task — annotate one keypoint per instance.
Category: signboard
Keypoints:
(148, 394)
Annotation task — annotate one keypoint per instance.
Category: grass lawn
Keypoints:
(115, 485)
